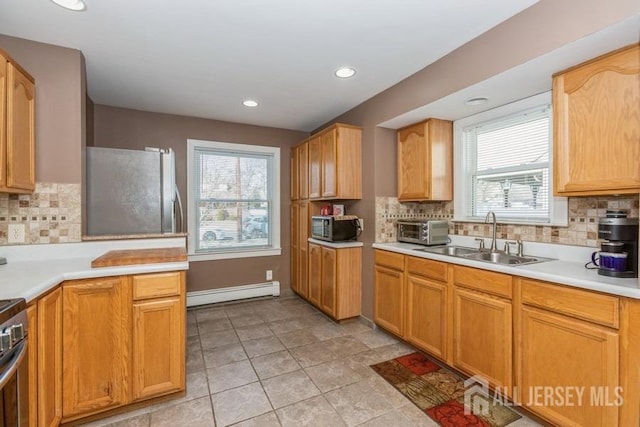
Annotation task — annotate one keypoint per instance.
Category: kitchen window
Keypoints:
(234, 200)
(505, 158)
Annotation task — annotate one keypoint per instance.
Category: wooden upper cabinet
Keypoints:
(425, 161)
(596, 126)
(315, 160)
(303, 171)
(295, 174)
(335, 163)
(329, 164)
(17, 128)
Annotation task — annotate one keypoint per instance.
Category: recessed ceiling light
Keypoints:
(476, 101)
(345, 72)
(250, 103)
(76, 5)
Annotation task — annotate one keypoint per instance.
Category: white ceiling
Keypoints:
(525, 80)
(202, 58)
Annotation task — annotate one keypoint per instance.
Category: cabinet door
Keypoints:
(303, 253)
(32, 322)
(303, 170)
(482, 336)
(328, 280)
(595, 118)
(295, 174)
(21, 174)
(3, 121)
(389, 299)
(427, 311)
(558, 351)
(158, 347)
(315, 162)
(413, 161)
(315, 272)
(295, 240)
(97, 323)
(329, 165)
(49, 347)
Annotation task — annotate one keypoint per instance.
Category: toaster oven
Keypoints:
(423, 232)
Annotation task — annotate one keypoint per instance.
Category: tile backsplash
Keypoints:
(582, 230)
(51, 214)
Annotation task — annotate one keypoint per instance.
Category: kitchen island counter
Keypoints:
(32, 270)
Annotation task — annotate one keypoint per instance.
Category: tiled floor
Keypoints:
(279, 362)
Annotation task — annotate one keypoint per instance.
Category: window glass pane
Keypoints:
(233, 200)
(508, 166)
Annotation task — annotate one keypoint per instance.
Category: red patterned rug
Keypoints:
(439, 392)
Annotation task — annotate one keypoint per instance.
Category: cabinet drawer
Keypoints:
(156, 285)
(591, 306)
(427, 268)
(482, 280)
(389, 259)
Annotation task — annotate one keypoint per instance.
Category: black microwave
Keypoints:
(335, 228)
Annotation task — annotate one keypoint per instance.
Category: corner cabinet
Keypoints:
(17, 128)
(596, 121)
(123, 342)
(425, 161)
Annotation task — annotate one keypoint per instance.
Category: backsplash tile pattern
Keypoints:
(582, 230)
(51, 214)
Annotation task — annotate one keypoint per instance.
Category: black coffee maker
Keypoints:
(618, 256)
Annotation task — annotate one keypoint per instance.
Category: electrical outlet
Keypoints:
(16, 233)
(361, 221)
(269, 274)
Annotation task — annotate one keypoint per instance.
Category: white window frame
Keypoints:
(274, 230)
(558, 206)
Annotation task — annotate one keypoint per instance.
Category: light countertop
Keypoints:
(336, 245)
(569, 271)
(32, 270)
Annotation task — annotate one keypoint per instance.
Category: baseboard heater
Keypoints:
(233, 293)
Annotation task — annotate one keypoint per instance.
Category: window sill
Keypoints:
(195, 257)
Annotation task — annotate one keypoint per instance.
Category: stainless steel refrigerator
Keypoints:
(131, 192)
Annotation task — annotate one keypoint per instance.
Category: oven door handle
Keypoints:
(14, 364)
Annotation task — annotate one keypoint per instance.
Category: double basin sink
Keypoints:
(497, 257)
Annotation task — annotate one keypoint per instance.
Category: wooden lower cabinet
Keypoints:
(567, 354)
(158, 329)
(315, 274)
(482, 336)
(32, 322)
(334, 280)
(96, 315)
(328, 280)
(427, 311)
(49, 347)
(389, 301)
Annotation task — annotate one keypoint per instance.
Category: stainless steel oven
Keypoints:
(14, 369)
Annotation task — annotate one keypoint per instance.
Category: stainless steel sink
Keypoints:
(449, 250)
(498, 257)
(504, 258)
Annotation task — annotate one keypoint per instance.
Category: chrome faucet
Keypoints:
(493, 238)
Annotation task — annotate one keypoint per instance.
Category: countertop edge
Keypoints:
(336, 245)
(626, 287)
(35, 291)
